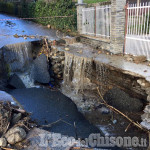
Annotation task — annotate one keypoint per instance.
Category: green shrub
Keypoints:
(7, 8)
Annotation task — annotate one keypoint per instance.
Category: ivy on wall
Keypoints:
(43, 9)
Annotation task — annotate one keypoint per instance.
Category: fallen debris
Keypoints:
(135, 59)
(80, 52)
(15, 135)
(53, 123)
(16, 36)
(139, 59)
(14, 125)
(67, 49)
(3, 142)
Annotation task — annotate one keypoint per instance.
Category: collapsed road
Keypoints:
(20, 27)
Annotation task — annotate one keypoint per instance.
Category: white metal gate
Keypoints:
(88, 21)
(138, 30)
(96, 21)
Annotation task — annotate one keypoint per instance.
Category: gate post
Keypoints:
(80, 6)
(117, 33)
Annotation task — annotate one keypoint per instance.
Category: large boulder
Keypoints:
(39, 70)
(15, 135)
(16, 82)
(122, 101)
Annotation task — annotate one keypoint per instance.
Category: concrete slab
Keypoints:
(118, 62)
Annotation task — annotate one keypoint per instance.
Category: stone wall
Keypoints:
(57, 63)
(117, 33)
(96, 43)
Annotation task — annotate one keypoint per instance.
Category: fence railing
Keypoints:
(96, 21)
(138, 29)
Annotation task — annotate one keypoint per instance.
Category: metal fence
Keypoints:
(138, 29)
(96, 21)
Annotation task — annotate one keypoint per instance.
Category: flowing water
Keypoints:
(48, 106)
(81, 77)
(76, 72)
(18, 56)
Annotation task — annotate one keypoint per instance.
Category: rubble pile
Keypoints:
(57, 63)
(136, 59)
(14, 125)
(146, 116)
(56, 59)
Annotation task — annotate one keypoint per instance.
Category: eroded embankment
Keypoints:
(29, 66)
(123, 84)
(79, 70)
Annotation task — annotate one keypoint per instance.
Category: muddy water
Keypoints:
(49, 106)
(8, 28)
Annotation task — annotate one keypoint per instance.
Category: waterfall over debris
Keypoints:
(77, 80)
(21, 56)
(76, 72)
(81, 72)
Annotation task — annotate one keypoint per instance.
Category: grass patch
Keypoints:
(94, 1)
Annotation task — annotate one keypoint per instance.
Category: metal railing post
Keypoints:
(95, 20)
(126, 26)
